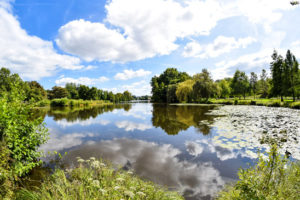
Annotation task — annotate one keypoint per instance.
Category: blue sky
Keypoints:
(120, 44)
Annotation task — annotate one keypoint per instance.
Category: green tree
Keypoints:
(10, 81)
(225, 88)
(277, 75)
(263, 85)
(184, 92)
(171, 94)
(240, 84)
(127, 96)
(160, 84)
(290, 75)
(253, 83)
(57, 93)
(72, 90)
(83, 92)
(92, 93)
(35, 92)
(204, 85)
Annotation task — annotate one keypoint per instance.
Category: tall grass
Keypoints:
(77, 103)
(94, 179)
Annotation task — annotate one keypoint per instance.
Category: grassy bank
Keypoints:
(257, 102)
(94, 179)
(64, 102)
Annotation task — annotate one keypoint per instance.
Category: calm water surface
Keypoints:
(174, 146)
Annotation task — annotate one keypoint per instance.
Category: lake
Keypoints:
(184, 148)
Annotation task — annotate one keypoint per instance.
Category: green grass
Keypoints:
(94, 179)
(274, 178)
(259, 102)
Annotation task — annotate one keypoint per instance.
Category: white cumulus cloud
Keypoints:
(82, 80)
(219, 46)
(28, 55)
(130, 74)
(138, 29)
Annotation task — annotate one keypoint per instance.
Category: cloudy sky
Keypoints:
(120, 44)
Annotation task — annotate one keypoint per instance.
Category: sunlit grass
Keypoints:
(94, 179)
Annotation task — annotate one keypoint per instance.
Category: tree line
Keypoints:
(173, 86)
(35, 92)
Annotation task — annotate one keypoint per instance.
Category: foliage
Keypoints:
(160, 84)
(94, 179)
(253, 83)
(35, 92)
(240, 84)
(204, 86)
(184, 92)
(20, 137)
(275, 178)
(171, 94)
(57, 93)
(225, 88)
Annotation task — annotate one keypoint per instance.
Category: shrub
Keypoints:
(295, 105)
(275, 178)
(236, 102)
(43, 103)
(59, 102)
(20, 137)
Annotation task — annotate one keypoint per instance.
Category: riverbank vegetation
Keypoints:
(282, 88)
(94, 179)
(70, 95)
(274, 178)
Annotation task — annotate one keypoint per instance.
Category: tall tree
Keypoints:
(57, 93)
(160, 83)
(253, 83)
(184, 91)
(204, 85)
(290, 76)
(83, 92)
(240, 84)
(225, 88)
(277, 75)
(263, 85)
(72, 90)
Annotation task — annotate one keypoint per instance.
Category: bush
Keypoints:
(236, 102)
(43, 103)
(253, 102)
(275, 178)
(59, 102)
(94, 179)
(295, 105)
(20, 137)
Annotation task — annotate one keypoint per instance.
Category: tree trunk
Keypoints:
(281, 97)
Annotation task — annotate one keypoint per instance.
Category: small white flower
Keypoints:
(120, 179)
(141, 194)
(96, 183)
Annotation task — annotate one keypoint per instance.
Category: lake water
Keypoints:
(175, 146)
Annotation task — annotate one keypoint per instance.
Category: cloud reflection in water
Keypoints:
(158, 163)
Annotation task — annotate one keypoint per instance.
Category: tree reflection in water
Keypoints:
(175, 118)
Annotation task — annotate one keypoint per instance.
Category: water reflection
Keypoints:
(137, 137)
(158, 163)
(173, 119)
